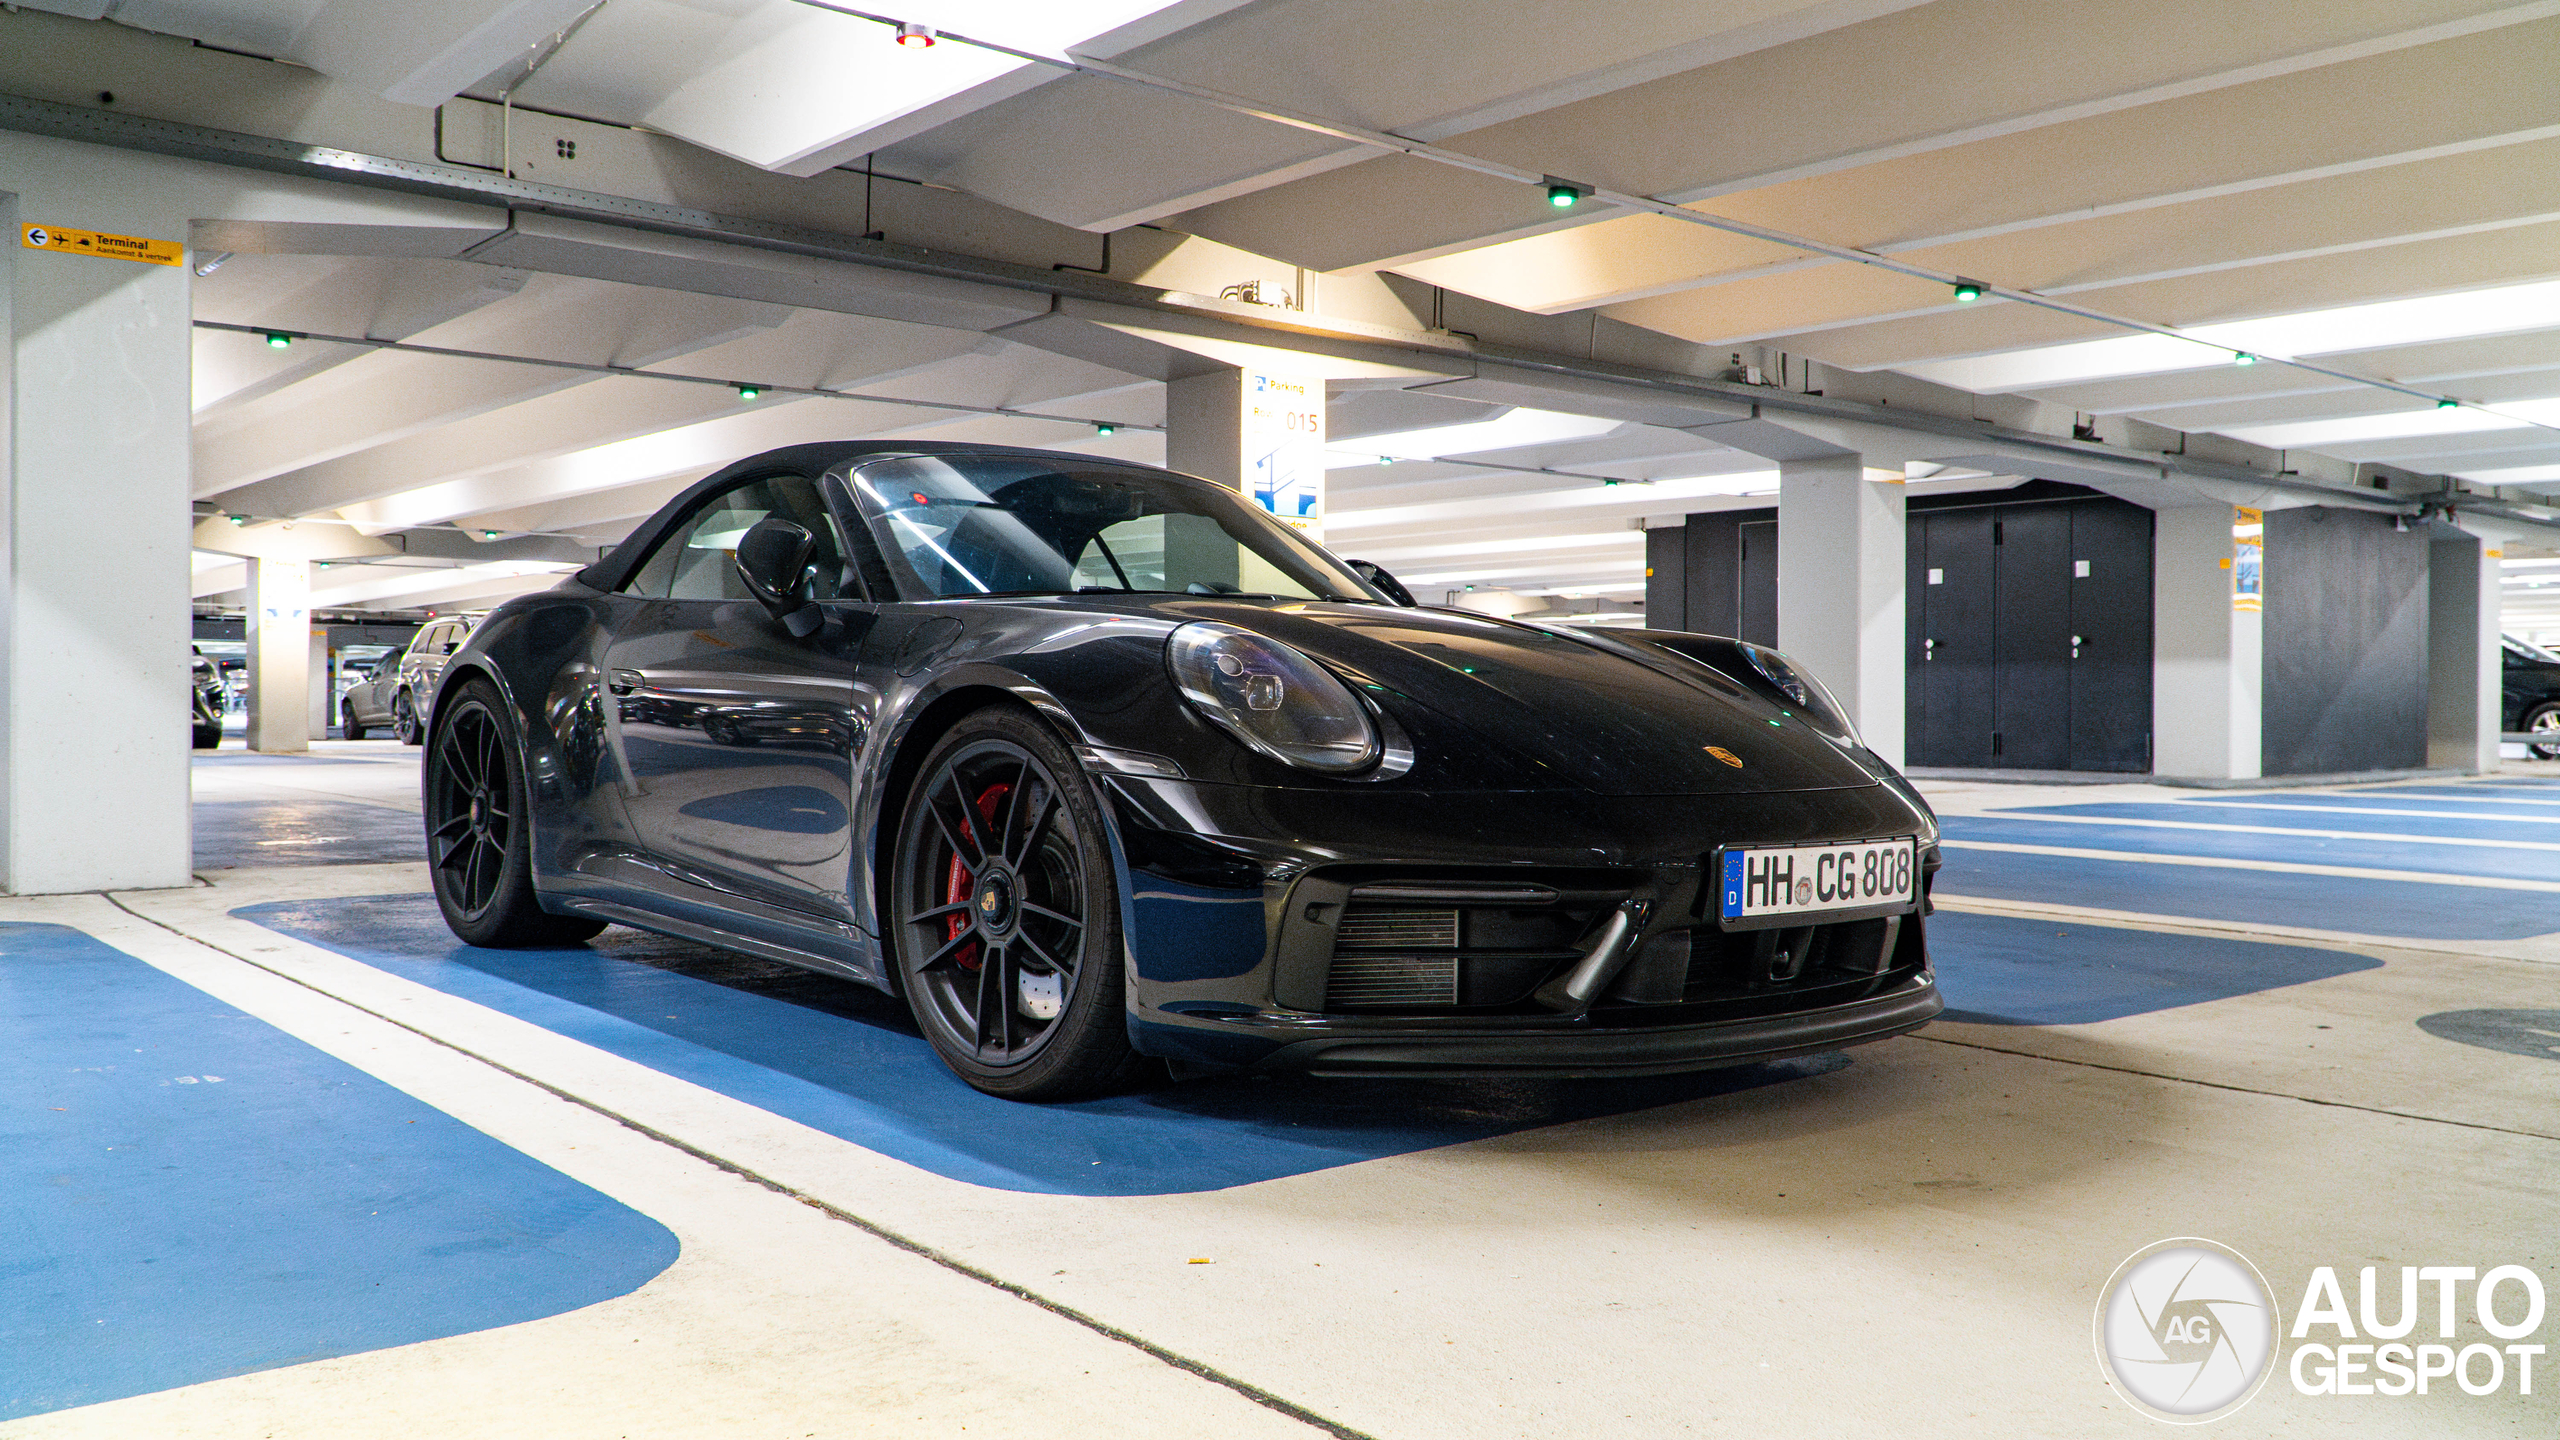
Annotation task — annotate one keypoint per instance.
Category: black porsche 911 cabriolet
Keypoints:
(1090, 761)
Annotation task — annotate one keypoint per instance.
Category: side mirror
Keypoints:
(1385, 583)
(773, 562)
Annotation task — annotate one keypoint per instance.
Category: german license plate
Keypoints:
(1816, 882)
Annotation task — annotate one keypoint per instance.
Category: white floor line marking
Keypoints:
(2553, 845)
(2282, 867)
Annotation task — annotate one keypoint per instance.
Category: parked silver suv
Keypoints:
(402, 687)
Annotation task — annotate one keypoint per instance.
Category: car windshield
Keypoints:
(961, 525)
(2530, 651)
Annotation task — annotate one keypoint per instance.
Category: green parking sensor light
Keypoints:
(2243, 357)
(1106, 428)
(1564, 194)
(277, 339)
(1968, 291)
(2448, 403)
(750, 392)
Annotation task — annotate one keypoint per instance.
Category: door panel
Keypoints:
(739, 744)
(737, 739)
(2111, 616)
(1956, 671)
(2032, 643)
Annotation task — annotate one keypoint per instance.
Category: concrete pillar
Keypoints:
(2208, 652)
(1260, 432)
(1840, 599)
(317, 727)
(2463, 659)
(279, 656)
(94, 611)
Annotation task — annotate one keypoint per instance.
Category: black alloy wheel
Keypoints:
(348, 725)
(479, 836)
(404, 720)
(1007, 914)
(2544, 720)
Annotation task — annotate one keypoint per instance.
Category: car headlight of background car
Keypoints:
(1799, 686)
(1272, 699)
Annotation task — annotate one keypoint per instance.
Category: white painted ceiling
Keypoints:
(2374, 184)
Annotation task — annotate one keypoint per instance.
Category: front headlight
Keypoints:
(1274, 700)
(1799, 686)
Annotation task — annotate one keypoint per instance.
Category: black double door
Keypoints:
(2030, 636)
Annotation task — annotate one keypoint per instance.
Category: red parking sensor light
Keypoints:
(916, 37)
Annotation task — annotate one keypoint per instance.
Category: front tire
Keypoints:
(208, 737)
(1006, 915)
(404, 720)
(2544, 719)
(480, 833)
(348, 724)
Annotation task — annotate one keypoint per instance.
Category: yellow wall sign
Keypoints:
(91, 242)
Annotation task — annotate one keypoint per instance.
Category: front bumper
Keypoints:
(1599, 1051)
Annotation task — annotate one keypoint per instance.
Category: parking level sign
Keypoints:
(94, 242)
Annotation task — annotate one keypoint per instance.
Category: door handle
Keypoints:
(622, 682)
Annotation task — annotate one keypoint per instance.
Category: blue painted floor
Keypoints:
(2299, 850)
(847, 1060)
(2484, 827)
(2402, 909)
(2003, 970)
(241, 834)
(187, 1193)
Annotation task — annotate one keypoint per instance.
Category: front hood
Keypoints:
(1605, 715)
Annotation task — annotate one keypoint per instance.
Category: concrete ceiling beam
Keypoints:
(2492, 93)
(388, 396)
(1828, 103)
(2371, 210)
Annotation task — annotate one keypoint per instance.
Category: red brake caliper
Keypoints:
(957, 884)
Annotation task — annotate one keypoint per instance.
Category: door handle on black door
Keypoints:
(622, 682)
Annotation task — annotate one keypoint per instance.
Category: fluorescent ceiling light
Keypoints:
(1565, 572)
(1526, 545)
(414, 582)
(1509, 431)
(2502, 310)
(2396, 425)
(1633, 494)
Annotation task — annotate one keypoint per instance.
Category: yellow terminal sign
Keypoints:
(92, 242)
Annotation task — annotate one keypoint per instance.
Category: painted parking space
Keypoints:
(2502, 831)
(2372, 854)
(187, 1193)
(847, 1060)
(2400, 909)
(2008, 970)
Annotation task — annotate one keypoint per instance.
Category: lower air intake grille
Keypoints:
(1376, 928)
(1392, 980)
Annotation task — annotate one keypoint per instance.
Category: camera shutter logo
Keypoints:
(2186, 1330)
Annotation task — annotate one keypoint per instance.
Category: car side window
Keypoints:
(698, 560)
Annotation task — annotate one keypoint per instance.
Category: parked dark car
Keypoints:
(2529, 679)
(209, 696)
(403, 686)
(1089, 762)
